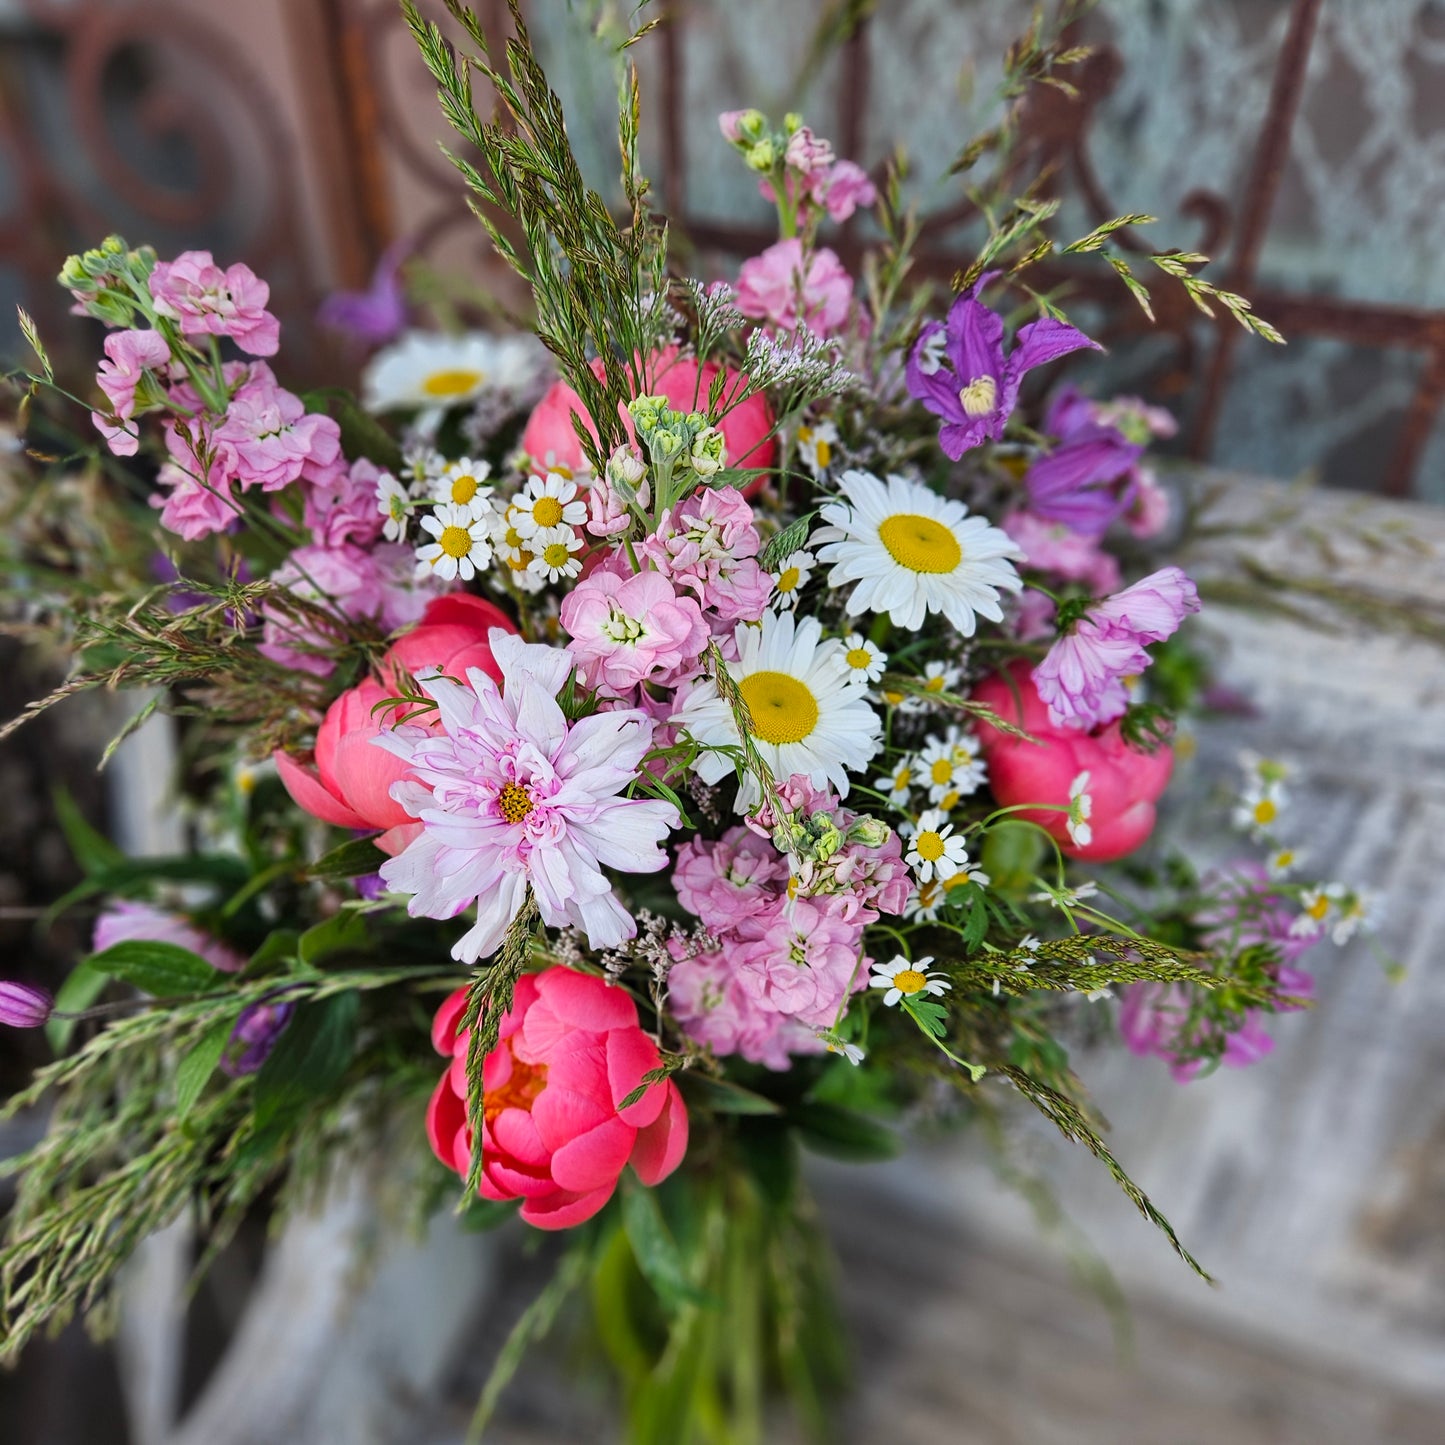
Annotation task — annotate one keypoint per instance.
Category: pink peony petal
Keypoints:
(630, 1054)
(310, 796)
(562, 1115)
(515, 1133)
(595, 1159)
(585, 1001)
(448, 1021)
(563, 1210)
(660, 1146)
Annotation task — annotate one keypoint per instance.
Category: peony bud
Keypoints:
(23, 1006)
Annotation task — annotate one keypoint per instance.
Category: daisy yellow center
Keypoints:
(958, 880)
(514, 802)
(929, 845)
(515, 538)
(935, 684)
(783, 710)
(464, 489)
(1283, 860)
(909, 980)
(396, 506)
(859, 658)
(1318, 908)
(788, 581)
(455, 541)
(1265, 811)
(555, 554)
(902, 778)
(451, 383)
(949, 801)
(523, 1085)
(928, 895)
(919, 543)
(546, 511)
(941, 771)
(824, 453)
(979, 396)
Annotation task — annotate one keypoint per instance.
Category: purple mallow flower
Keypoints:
(1082, 677)
(377, 314)
(23, 1005)
(960, 371)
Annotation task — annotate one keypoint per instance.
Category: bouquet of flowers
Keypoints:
(620, 756)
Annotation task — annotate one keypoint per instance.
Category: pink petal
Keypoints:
(562, 1115)
(660, 1147)
(515, 1183)
(585, 1001)
(561, 1209)
(448, 1019)
(446, 1127)
(515, 1133)
(595, 1159)
(308, 794)
(630, 1054)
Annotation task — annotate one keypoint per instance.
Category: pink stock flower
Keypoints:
(341, 507)
(707, 544)
(511, 795)
(807, 153)
(844, 188)
(627, 631)
(270, 439)
(556, 1132)
(128, 354)
(1124, 781)
(706, 995)
(344, 580)
(786, 288)
(802, 959)
(726, 881)
(728, 122)
(746, 427)
(1081, 677)
(208, 301)
(1054, 547)
(191, 509)
(124, 922)
(24, 1005)
(607, 513)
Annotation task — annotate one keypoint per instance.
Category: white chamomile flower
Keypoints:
(792, 577)
(394, 503)
(1094, 995)
(463, 484)
(461, 547)
(898, 784)
(1315, 905)
(865, 659)
(1283, 861)
(925, 903)
(554, 555)
(1064, 897)
(1356, 909)
(902, 979)
(1081, 805)
(1262, 773)
(952, 768)
(808, 715)
(815, 446)
(938, 677)
(423, 468)
(545, 504)
(912, 553)
(835, 1045)
(965, 875)
(1259, 809)
(432, 371)
(934, 851)
(1028, 943)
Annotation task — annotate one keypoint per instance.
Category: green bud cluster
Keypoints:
(110, 280)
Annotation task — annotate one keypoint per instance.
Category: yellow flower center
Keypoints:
(949, 801)
(523, 1085)
(546, 511)
(1284, 859)
(909, 980)
(893, 699)
(1319, 908)
(556, 554)
(929, 845)
(958, 880)
(1265, 811)
(788, 581)
(942, 770)
(860, 658)
(455, 541)
(928, 895)
(783, 710)
(919, 543)
(515, 540)
(979, 396)
(451, 383)
(514, 802)
(824, 453)
(464, 488)
(901, 779)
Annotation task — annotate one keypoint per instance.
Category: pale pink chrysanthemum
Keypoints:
(510, 794)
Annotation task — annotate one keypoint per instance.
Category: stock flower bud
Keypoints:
(709, 452)
(760, 157)
(792, 121)
(870, 832)
(24, 1006)
(647, 411)
(626, 471)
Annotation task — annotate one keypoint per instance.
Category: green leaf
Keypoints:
(91, 849)
(842, 1134)
(163, 970)
(344, 932)
(722, 1096)
(280, 946)
(654, 1248)
(350, 860)
(199, 1064)
(81, 989)
(310, 1058)
(361, 434)
(480, 1215)
(738, 477)
(770, 1150)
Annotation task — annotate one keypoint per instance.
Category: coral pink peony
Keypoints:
(1124, 781)
(746, 428)
(555, 1132)
(451, 637)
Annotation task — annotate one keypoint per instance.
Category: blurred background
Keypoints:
(1301, 143)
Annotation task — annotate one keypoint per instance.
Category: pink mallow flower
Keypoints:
(801, 958)
(208, 301)
(125, 922)
(787, 288)
(556, 1132)
(511, 795)
(269, 438)
(736, 877)
(128, 354)
(1081, 677)
(627, 631)
(1124, 781)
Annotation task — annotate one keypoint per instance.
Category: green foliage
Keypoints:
(350, 860)
(163, 970)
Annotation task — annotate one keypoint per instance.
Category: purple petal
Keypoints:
(1046, 340)
(975, 341)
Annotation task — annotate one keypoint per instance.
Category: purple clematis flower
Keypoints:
(1078, 482)
(960, 371)
(377, 314)
(254, 1036)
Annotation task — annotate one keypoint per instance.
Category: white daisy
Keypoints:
(1283, 861)
(934, 850)
(555, 555)
(1357, 909)
(1258, 809)
(912, 552)
(791, 578)
(1064, 897)
(422, 468)
(864, 658)
(463, 483)
(951, 767)
(1315, 905)
(938, 677)
(808, 715)
(462, 544)
(925, 903)
(851, 1052)
(394, 503)
(1081, 805)
(815, 446)
(431, 371)
(903, 979)
(899, 783)
(545, 504)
